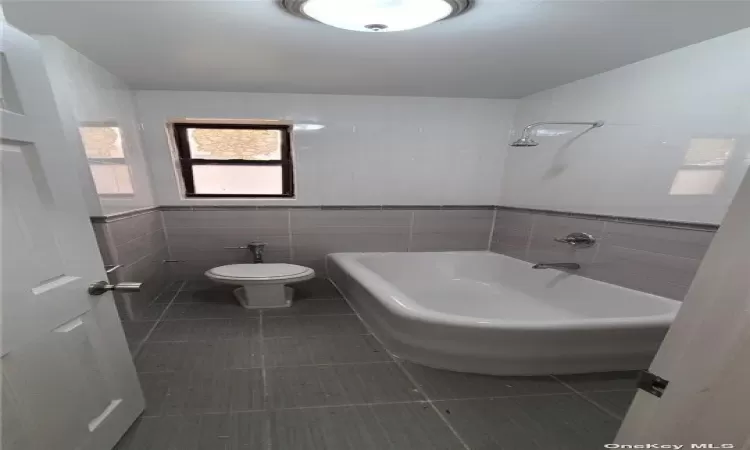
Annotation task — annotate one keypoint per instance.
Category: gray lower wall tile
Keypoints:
(669, 241)
(139, 244)
(345, 239)
(196, 238)
(302, 219)
(656, 258)
(453, 221)
(455, 241)
(274, 220)
(129, 228)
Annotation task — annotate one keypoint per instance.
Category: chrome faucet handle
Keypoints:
(578, 239)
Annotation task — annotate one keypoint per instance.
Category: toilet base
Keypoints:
(264, 296)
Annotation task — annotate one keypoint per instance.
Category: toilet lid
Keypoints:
(259, 271)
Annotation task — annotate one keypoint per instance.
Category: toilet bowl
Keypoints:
(261, 285)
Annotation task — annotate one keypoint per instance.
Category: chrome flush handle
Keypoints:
(578, 239)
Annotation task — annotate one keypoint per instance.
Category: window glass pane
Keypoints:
(102, 141)
(112, 178)
(696, 182)
(212, 143)
(247, 180)
(708, 152)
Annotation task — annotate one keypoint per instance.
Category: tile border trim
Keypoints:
(624, 219)
(697, 226)
(124, 215)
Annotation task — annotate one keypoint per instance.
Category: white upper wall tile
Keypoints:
(373, 150)
(655, 110)
(86, 93)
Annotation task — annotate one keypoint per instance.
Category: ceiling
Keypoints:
(499, 49)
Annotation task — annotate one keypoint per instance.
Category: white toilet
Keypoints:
(262, 285)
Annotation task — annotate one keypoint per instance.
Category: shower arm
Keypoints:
(527, 130)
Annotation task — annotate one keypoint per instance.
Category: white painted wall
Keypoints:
(86, 93)
(654, 110)
(373, 150)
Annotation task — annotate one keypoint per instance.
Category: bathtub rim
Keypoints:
(400, 304)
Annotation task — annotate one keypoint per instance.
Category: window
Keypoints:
(104, 151)
(235, 160)
(702, 171)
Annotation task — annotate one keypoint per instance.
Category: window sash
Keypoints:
(187, 162)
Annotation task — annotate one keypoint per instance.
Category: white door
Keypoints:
(706, 354)
(68, 381)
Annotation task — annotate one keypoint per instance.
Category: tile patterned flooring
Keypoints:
(216, 376)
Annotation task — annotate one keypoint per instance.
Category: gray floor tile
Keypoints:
(179, 311)
(304, 326)
(601, 381)
(616, 402)
(311, 307)
(196, 285)
(295, 351)
(219, 391)
(293, 387)
(213, 295)
(410, 426)
(165, 296)
(197, 432)
(155, 388)
(130, 312)
(205, 330)
(442, 384)
(136, 332)
(549, 422)
(315, 288)
(186, 356)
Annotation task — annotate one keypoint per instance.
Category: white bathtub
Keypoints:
(488, 313)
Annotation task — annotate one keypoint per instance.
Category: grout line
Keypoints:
(289, 233)
(588, 400)
(527, 247)
(331, 364)
(157, 321)
(430, 402)
(405, 372)
(295, 408)
(599, 241)
(411, 234)
(267, 423)
(492, 230)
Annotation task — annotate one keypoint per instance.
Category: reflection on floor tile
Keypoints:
(615, 402)
(197, 432)
(296, 351)
(213, 295)
(178, 311)
(305, 326)
(545, 422)
(294, 387)
(187, 356)
(308, 307)
(442, 384)
(136, 332)
(409, 426)
(206, 330)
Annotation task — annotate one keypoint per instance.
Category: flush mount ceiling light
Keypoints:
(376, 16)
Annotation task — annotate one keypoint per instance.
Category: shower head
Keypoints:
(527, 141)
